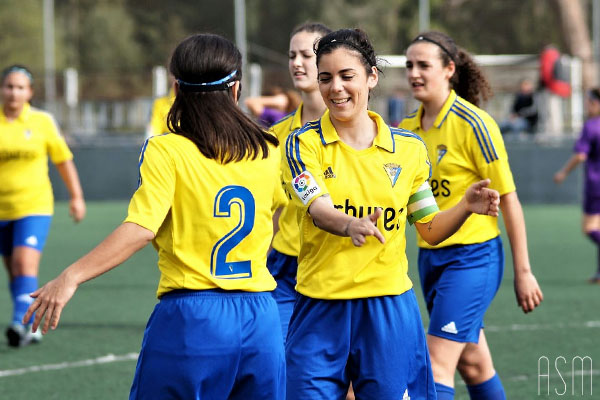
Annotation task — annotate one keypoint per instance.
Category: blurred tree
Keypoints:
(21, 31)
(576, 32)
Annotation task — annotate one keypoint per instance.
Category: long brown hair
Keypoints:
(468, 80)
(206, 66)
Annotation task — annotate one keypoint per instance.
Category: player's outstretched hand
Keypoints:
(359, 228)
(482, 200)
(49, 301)
(528, 292)
(77, 209)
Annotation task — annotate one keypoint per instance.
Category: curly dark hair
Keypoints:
(468, 81)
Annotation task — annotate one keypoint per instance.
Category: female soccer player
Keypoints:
(283, 259)
(460, 276)
(356, 317)
(587, 149)
(215, 332)
(27, 138)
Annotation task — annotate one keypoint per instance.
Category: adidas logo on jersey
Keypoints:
(450, 328)
(328, 173)
(406, 396)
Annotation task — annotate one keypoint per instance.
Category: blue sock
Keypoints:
(444, 392)
(20, 288)
(491, 389)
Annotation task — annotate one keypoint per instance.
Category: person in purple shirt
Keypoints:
(587, 148)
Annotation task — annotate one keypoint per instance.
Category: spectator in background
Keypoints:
(274, 106)
(27, 138)
(587, 149)
(554, 86)
(396, 107)
(524, 112)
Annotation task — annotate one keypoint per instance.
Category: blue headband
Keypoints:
(17, 69)
(221, 84)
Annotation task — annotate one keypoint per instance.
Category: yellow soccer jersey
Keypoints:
(160, 110)
(25, 144)
(465, 146)
(287, 238)
(391, 174)
(213, 222)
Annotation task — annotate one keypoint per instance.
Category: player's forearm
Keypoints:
(444, 224)
(69, 175)
(514, 221)
(327, 218)
(121, 244)
(573, 162)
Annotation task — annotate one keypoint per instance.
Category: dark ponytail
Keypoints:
(468, 81)
(206, 67)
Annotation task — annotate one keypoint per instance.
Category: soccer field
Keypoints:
(92, 354)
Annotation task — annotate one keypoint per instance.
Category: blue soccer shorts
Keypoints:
(212, 344)
(459, 284)
(378, 343)
(30, 231)
(284, 269)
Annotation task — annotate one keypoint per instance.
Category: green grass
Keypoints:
(108, 314)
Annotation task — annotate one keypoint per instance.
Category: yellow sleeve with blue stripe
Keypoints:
(156, 187)
(421, 206)
(302, 173)
(486, 147)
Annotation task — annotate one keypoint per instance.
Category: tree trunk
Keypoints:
(575, 30)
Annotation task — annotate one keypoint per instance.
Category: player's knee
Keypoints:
(471, 369)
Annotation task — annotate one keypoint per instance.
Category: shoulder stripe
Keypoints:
(292, 147)
(142, 153)
(477, 131)
(285, 117)
(487, 137)
(407, 133)
(412, 114)
(448, 113)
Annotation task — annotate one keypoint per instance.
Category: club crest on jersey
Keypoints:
(441, 152)
(393, 172)
(27, 134)
(305, 186)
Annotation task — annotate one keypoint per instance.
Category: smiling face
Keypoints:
(427, 77)
(302, 61)
(344, 84)
(16, 91)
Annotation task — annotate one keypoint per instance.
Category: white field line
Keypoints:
(541, 327)
(107, 359)
(111, 358)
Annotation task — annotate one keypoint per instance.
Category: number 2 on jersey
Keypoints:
(225, 199)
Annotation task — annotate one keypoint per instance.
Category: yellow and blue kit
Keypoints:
(385, 175)
(461, 275)
(25, 145)
(213, 227)
(356, 307)
(283, 259)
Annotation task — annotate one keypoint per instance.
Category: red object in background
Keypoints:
(553, 74)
